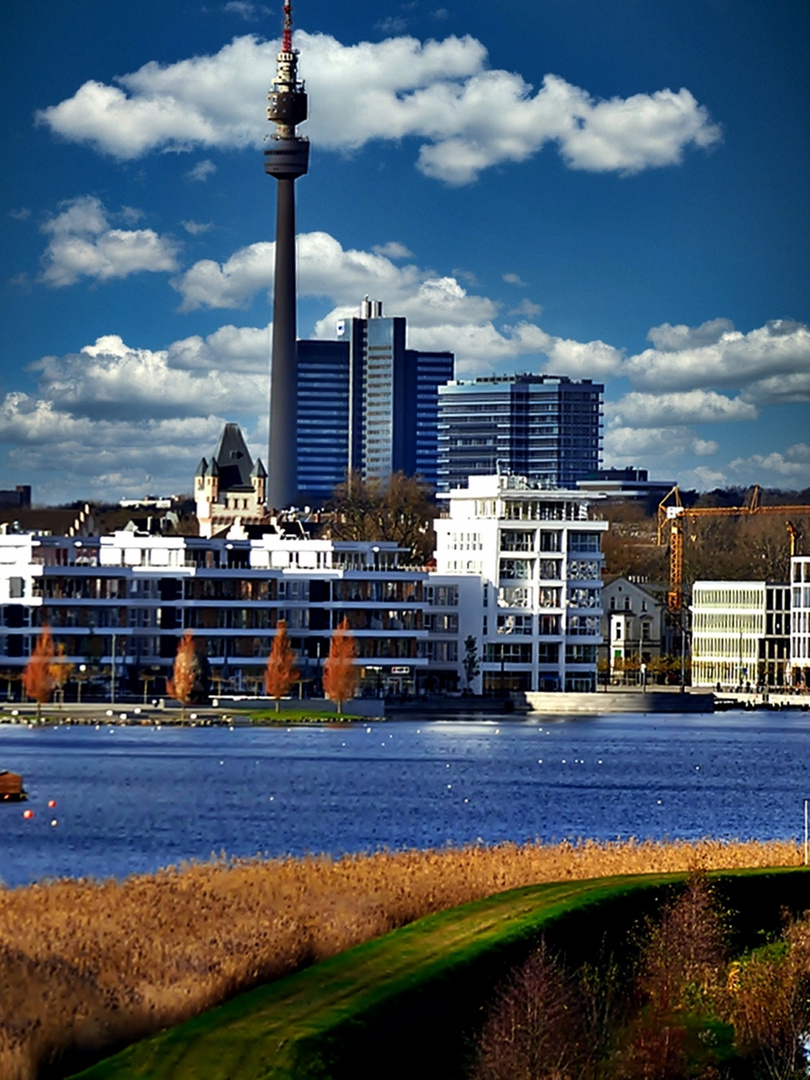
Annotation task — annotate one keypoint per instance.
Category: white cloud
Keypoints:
(196, 228)
(110, 380)
(207, 284)
(22, 214)
(392, 250)
(101, 459)
(668, 410)
(201, 171)
(232, 350)
(83, 243)
(792, 466)
(781, 389)
(660, 449)
(703, 478)
(112, 414)
(528, 308)
(394, 24)
(247, 11)
(467, 117)
(667, 338)
(441, 313)
(327, 269)
(513, 279)
(768, 364)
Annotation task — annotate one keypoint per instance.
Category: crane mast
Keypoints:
(671, 515)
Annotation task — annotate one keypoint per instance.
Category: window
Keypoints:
(516, 569)
(516, 597)
(514, 624)
(514, 540)
(550, 569)
(580, 654)
(584, 542)
(513, 652)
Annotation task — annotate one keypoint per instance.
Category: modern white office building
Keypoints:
(530, 562)
(800, 620)
(740, 634)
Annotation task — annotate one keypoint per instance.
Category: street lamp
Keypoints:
(112, 671)
(80, 679)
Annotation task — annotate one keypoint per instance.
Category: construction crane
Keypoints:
(671, 514)
(795, 536)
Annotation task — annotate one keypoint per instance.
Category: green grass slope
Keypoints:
(406, 1004)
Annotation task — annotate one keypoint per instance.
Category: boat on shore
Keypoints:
(11, 787)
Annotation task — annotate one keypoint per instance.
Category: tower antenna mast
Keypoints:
(286, 157)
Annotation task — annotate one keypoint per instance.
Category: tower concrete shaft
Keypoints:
(286, 158)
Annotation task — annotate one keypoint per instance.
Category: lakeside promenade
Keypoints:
(236, 712)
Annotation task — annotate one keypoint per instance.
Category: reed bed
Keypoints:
(87, 965)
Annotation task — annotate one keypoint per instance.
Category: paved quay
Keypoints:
(236, 713)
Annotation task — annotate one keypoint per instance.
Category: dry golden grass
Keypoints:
(88, 964)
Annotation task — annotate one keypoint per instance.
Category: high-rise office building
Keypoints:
(544, 427)
(367, 403)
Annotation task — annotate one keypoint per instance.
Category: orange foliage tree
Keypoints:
(181, 684)
(60, 670)
(280, 673)
(340, 673)
(37, 677)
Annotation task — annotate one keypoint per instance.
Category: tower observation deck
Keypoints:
(286, 157)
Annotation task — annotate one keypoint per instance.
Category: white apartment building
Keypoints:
(740, 634)
(528, 561)
(518, 570)
(128, 598)
(800, 620)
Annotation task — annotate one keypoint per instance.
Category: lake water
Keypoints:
(132, 799)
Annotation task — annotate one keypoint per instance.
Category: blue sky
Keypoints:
(612, 189)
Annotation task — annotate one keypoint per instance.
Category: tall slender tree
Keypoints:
(340, 673)
(37, 677)
(61, 670)
(281, 672)
(181, 684)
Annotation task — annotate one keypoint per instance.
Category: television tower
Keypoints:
(286, 158)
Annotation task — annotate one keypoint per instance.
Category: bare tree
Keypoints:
(401, 510)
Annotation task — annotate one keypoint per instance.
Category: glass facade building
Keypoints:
(544, 427)
(367, 403)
